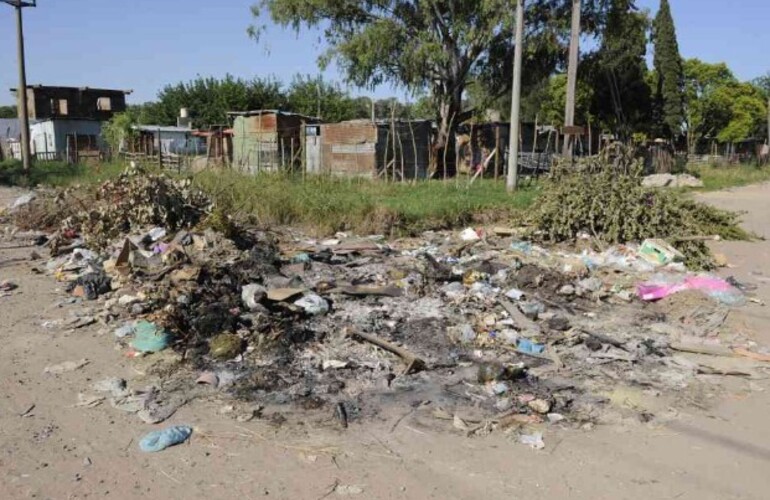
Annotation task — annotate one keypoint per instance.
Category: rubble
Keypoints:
(522, 335)
(672, 181)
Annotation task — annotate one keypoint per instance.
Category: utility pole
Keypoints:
(574, 49)
(512, 180)
(21, 92)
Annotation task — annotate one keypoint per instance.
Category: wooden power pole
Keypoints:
(21, 92)
(512, 180)
(574, 50)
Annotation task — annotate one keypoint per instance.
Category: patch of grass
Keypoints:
(325, 204)
(722, 177)
(57, 173)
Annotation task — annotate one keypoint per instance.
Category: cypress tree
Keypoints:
(670, 72)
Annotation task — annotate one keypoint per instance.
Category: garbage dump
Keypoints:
(479, 335)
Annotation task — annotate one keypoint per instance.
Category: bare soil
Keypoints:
(50, 448)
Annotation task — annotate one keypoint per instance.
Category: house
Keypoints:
(361, 148)
(168, 140)
(267, 140)
(65, 122)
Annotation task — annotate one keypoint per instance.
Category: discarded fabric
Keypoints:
(160, 440)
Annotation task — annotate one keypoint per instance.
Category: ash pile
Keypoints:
(477, 331)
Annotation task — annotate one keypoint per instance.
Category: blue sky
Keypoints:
(144, 44)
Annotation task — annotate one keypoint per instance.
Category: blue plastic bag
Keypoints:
(526, 345)
(149, 338)
(160, 440)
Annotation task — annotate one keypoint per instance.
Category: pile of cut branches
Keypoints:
(604, 197)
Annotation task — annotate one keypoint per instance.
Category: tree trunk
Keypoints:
(444, 162)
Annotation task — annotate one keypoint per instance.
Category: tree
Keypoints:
(119, 129)
(548, 101)
(209, 100)
(668, 64)
(763, 83)
(738, 112)
(720, 107)
(8, 112)
(622, 97)
(313, 96)
(703, 115)
(437, 46)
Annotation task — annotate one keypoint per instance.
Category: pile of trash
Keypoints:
(477, 331)
(607, 201)
(133, 200)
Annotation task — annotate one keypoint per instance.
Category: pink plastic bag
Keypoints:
(712, 286)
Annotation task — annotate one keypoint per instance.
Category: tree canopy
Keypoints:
(437, 46)
(209, 99)
(668, 65)
(617, 72)
(720, 107)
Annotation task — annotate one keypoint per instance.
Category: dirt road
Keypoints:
(51, 448)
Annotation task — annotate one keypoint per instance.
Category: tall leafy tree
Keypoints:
(622, 97)
(209, 99)
(763, 83)
(313, 96)
(719, 107)
(704, 115)
(668, 65)
(438, 46)
(546, 101)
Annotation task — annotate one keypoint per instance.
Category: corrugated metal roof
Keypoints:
(257, 112)
(162, 128)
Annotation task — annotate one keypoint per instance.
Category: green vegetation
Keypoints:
(606, 200)
(668, 65)
(722, 177)
(8, 112)
(57, 173)
(441, 48)
(328, 204)
(617, 73)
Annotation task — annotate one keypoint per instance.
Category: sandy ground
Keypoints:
(57, 450)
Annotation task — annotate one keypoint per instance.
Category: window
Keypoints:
(59, 107)
(104, 104)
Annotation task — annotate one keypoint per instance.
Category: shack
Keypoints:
(268, 140)
(168, 140)
(361, 148)
(70, 140)
(476, 142)
(66, 122)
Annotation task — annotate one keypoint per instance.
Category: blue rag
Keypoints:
(160, 440)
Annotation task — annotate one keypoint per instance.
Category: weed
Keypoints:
(722, 177)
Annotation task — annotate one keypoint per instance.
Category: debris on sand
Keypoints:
(487, 334)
